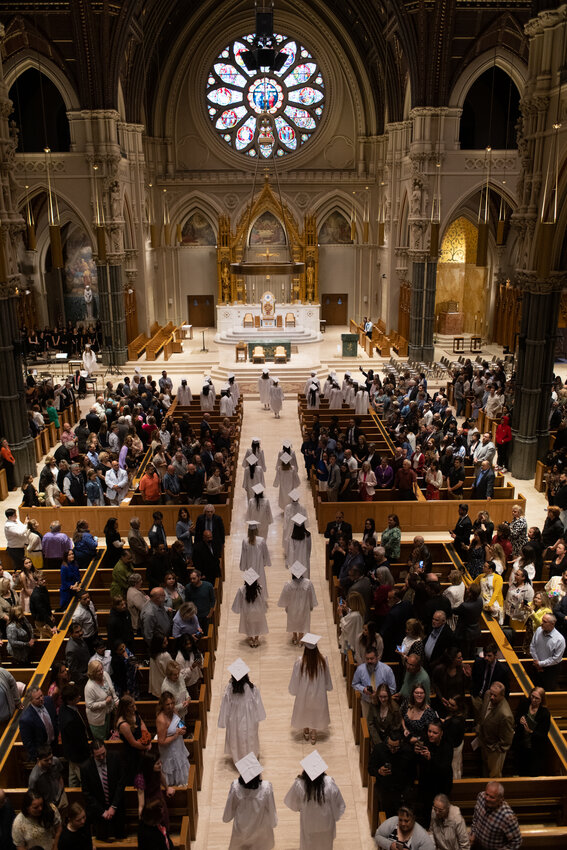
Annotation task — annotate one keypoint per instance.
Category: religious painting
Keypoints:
(80, 280)
(267, 230)
(335, 230)
(197, 230)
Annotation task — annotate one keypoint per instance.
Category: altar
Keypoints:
(231, 326)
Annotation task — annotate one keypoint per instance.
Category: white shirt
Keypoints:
(16, 534)
(119, 478)
(547, 648)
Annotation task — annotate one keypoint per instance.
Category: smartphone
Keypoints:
(181, 725)
(421, 563)
(399, 648)
(341, 600)
(387, 765)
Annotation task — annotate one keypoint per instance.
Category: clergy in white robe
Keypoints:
(254, 555)
(253, 474)
(361, 402)
(184, 395)
(250, 602)
(207, 398)
(317, 821)
(264, 387)
(309, 683)
(254, 812)
(240, 713)
(286, 479)
(276, 397)
(255, 449)
(226, 404)
(260, 510)
(298, 598)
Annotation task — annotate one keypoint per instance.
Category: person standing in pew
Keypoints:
(434, 758)
(77, 655)
(121, 570)
(76, 835)
(392, 763)
(547, 649)
(102, 781)
(152, 831)
(205, 557)
(448, 826)
(462, 531)
(138, 546)
(154, 618)
(485, 670)
(38, 723)
(7, 816)
(495, 729)
(85, 615)
(46, 778)
(157, 568)
(202, 594)
(494, 824)
(74, 733)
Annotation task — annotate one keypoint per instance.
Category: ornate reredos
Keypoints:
(266, 201)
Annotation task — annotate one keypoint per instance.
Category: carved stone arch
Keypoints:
(505, 59)
(15, 66)
(266, 201)
(459, 207)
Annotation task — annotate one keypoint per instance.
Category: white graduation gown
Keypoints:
(276, 398)
(252, 614)
(207, 401)
(248, 482)
(262, 515)
(234, 392)
(226, 406)
(264, 386)
(310, 405)
(317, 823)
(256, 556)
(259, 454)
(184, 395)
(291, 509)
(287, 480)
(311, 707)
(240, 715)
(308, 382)
(335, 399)
(254, 813)
(298, 598)
(89, 361)
(361, 402)
(299, 550)
(327, 388)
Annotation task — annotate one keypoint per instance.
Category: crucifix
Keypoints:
(267, 255)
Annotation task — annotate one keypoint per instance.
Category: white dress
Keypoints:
(264, 386)
(299, 550)
(276, 398)
(252, 614)
(317, 823)
(361, 402)
(248, 482)
(174, 757)
(311, 707)
(240, 715)
(290, 510)
(256, 556)
(259, 454)
(298, 598)
(287, 480)
(254, 813)
(262, 515)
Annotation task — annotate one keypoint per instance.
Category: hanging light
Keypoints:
(365, 221)
(166, 221)
(155, 234)
(99, 220)
(30, 224)
(53, 217)
(484, 215)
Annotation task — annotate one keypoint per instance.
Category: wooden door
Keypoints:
(131, 312)
(201, 311)
(334, 308)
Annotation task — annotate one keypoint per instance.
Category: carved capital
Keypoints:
(530, 282)
(417, 255)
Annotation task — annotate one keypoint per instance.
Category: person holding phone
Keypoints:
(402, 831)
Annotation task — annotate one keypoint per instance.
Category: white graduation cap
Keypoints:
(258, 488)
(249, 767)
(83, 373)
(255, 439)
(252, 522)
(265, 370)
(206, 377)
(313, 765)
(287, 444)
(231, 376)
(347, 374)
(225, 388)
(298, 519)
(313, 372)
(294, 495)
(250, 576)
(276, 380)
(298, 569)
(137, 370)
(238, 669)
(310, 640)
(285, 457)
(251, 459)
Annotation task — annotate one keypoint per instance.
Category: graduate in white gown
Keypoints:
(234, 388)
(345, 383)
(276, 397)
(207, 398)
(253, 474)
(264, 387)
(335, 397)
(254, 554)
(361, 400)
(299, 544)
(226, 403)
(250, 603)
(313, 379)
(287, 447)
(309, 683)
(89, 360)
(260, 510)
(349, 394)
(255, 449)
(293, 507)
(313, 397)
(240, 713)
(184, 395)
(299, 599)
(286, 479)
(320, 804)
(250, 804)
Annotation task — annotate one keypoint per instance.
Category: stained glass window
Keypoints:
(293, 98)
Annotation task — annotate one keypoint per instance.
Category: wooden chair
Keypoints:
(279, 321)
(241, 352)
(248, 320)
(258, 354)
(280, 354)
(256, 321)
(289, 320)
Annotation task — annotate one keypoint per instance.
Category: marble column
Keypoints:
(428, 352)
(105, 313)
(536, 357)
(118, 325)
(417, 305)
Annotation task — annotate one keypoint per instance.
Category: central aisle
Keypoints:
(281, 749)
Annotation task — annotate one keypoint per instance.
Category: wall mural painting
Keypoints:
(80, 280)
(267, 230)
(197, 230)
(335, 230)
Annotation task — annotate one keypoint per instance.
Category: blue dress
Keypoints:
(69, 575)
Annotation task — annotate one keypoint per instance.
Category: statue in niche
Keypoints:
(310, 281)
(415, 202)
(225, 282)
(115, 202)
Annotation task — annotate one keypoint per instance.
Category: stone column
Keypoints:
(428, 353)
(417, 306)
(536, 355)
(118, 326)
(105, 312)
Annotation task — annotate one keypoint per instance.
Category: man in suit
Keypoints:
(483, 487)
(440, 638)
(394, 626)
(156, 534)
(74, 733)
(38, 723)
(461, 533)
(102, 780)
(484, 672)
(335, 528)
(205, 557)
(209, 521)
(495, 729)
(468, 615)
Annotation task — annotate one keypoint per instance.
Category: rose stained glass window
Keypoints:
(238, 99)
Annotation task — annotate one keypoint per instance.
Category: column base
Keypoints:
(524, 457)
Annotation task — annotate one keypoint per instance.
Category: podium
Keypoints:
(350, 345)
